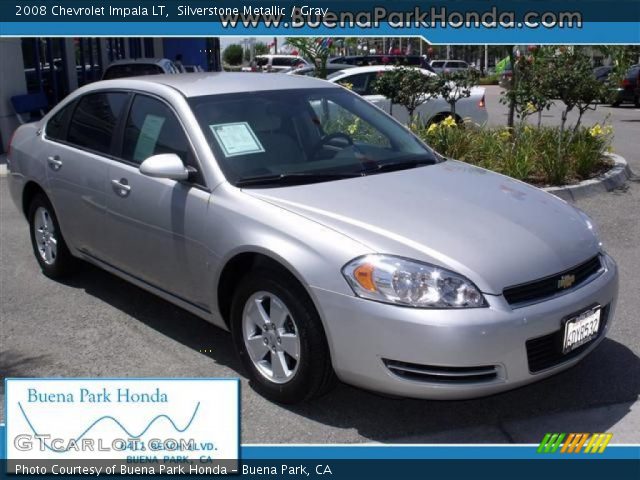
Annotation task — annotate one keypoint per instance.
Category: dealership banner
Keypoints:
(459, 22)
(191, 427)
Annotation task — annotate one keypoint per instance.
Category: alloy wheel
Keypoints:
(271, 337)
(45, 235)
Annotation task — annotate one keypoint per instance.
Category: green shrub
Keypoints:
(233, 54)
(525, 153)
(490, 80)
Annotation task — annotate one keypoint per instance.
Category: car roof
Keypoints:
(277, 55)
(377, 68)
(217, 83)
(127, 61)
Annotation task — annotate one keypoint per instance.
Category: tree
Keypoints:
(232, 55)
(260, 49)
(407, 87)
(316, 49)
(570, 79)
(455, 86)
(532, 93)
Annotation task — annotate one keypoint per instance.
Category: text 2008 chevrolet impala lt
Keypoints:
(321, 232)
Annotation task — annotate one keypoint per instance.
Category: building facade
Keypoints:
(57, 66)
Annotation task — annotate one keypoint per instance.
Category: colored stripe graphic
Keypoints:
(597, 442)
(551, 442)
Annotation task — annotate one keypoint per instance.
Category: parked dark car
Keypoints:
(629, 88)
(139, 67)
(602, 73)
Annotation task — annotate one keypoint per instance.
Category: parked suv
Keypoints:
(448, 66)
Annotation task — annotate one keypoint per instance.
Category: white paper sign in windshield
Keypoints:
(236, 139)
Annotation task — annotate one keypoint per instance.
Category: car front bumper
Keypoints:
(369, 341)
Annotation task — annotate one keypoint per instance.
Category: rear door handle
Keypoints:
(121, 187)
(54, 162)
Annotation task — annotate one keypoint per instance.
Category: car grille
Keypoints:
(435, 374)
(546, 352)
(547, 287)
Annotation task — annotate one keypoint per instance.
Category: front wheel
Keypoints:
(280, 339)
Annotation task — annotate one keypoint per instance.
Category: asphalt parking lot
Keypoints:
(95, 324)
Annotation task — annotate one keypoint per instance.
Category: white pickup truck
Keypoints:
(362, 80)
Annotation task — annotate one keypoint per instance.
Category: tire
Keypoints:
(277, 374)
(439, 117)
(49, 247)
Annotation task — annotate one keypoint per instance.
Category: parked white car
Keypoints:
(277, 63)
(362, 80)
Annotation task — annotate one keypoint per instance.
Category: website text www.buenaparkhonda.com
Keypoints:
(434, 17)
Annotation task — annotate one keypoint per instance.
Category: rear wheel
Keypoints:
(49, 246)
(280, 339)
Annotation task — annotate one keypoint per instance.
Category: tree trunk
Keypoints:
(512, 103)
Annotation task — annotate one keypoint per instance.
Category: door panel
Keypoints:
(77, 189)
(158, 227)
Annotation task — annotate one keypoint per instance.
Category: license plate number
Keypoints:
(580, 330)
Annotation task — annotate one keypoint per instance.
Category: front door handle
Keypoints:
(54, 162)
(121, 187)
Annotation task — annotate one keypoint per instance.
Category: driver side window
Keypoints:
(334, 118)
(151, 129)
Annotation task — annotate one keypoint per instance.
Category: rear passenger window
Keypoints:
(152, 129)
(94, 120)
(56, 126)
(357, 83)
(132, 70)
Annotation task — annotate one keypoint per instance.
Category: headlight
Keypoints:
(396, 280)
(590, 225)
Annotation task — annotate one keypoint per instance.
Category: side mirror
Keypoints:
(166, 165)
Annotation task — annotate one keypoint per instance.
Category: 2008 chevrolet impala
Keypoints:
(321, 232)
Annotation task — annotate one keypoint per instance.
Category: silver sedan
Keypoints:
(326, 237)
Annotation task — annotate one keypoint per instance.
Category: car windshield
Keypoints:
(309, 135)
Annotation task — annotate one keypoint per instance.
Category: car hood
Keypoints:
(495, 230)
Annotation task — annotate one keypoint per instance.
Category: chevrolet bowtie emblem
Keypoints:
(566, 281)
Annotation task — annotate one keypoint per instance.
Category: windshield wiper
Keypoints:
(400, 165)
(293, 178)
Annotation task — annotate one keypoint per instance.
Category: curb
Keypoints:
(606, 182)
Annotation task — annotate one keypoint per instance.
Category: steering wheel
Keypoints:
(326, 140)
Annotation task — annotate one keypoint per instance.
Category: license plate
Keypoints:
(581, 329)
